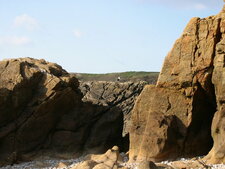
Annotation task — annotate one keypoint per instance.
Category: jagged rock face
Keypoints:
(42, 110)
(113, 95)
(174, 118)
(217, 154)
(109, 117)
(34, 95)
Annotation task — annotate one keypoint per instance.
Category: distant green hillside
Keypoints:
(150, 77)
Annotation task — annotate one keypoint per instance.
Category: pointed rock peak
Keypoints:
(222, 12)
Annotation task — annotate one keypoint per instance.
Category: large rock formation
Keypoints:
(217, 154)
(42, 110)
(174, 118)
(34, 94)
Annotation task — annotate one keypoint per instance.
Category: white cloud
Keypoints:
(78, 33)
(199, 6)
(26, 22)
(15, 40)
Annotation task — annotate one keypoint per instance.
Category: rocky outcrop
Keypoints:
(34, 94)
(174, 118)
(109, 160)
(217, 154)
(114, 95)
(44, 110)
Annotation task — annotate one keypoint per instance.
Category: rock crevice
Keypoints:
(192, 80)
(45, 110)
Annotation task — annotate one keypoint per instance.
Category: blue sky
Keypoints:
(97, 36)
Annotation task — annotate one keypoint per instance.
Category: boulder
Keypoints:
(45, 110)
(34, 94)
(174, 118)
(146, 165)
(88, 164)
(108, 160)
(61, 165)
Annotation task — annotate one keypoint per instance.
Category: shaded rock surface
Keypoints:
(174, 117)
(217, 154)
(43, 111)
(34, 94)
(113, 94)
(109, 160)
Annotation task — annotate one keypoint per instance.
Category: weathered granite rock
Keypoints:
(146, 165)
(155, 124)
(174, 118)
(34, 94)
(217, 154)
(109, 160)
(88, 164)
(61, 165)
(42, 110)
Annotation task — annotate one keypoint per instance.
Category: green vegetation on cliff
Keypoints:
(150, 77)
